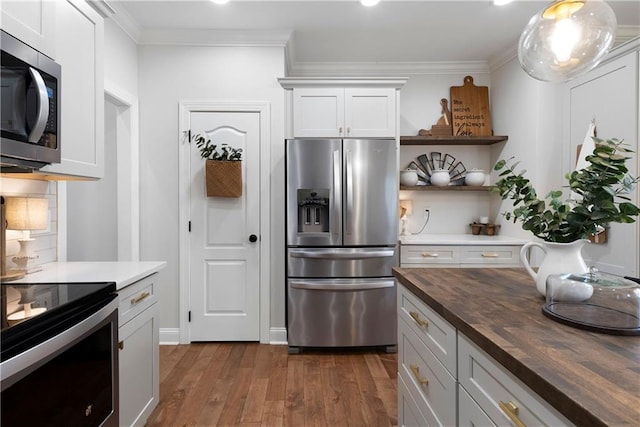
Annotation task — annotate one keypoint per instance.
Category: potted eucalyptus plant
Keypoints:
(223, 167)
(599, 196)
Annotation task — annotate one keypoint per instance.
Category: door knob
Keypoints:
(253, 238)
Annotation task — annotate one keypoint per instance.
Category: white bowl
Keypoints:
(440, 177)
(474, 177)
(408, 177)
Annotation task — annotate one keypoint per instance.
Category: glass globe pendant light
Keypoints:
(566, 38)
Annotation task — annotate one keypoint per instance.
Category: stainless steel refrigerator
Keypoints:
(342, 232)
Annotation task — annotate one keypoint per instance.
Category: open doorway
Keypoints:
(102, 215)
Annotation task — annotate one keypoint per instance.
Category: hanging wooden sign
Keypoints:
(470, 111)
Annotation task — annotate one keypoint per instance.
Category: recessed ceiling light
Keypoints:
(369, 2)
(501, 2)
(220, 1)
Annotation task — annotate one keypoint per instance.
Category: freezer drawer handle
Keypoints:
(416, 316)
(341, 286)
(342, 255)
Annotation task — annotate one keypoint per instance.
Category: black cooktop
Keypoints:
(32, 313)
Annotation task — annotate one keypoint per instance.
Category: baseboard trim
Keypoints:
(171, 336)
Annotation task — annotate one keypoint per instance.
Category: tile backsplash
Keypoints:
(45, 245)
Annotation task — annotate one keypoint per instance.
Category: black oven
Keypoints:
(30, 99)
(59, 355)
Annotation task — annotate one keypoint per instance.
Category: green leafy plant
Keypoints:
(599, 192)
(210, 151)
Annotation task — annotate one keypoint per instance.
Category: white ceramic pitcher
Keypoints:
(559, 258)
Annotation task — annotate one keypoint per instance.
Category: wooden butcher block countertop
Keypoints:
(591, 378)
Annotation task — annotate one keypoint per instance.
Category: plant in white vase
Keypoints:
(599, 196)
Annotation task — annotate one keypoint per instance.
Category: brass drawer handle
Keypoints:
(416, 373)
(511, 410)
(489, 255)
(429, 255)
(139, 299)
(416, 316)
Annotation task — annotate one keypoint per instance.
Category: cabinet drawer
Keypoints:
(431, 385)
(428, 255)
(490, 384)
(469, 413)
(136, 297)
(408, 413)
(436, 333)
(490, 255)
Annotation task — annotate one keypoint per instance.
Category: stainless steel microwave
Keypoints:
(30, 114)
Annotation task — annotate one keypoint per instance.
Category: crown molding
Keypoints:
(102, 7)
(206, 37)
(126, 22)
(314, 69)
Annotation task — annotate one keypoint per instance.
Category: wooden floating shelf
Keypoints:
(451, 140)
(445, 188)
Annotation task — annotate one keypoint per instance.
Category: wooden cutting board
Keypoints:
(470, 109)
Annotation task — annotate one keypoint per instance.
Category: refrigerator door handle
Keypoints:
(353, 286)
(349, 192)
(337, 195)
(329, 254)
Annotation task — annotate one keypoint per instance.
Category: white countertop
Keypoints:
(460, 239)
(122, 273)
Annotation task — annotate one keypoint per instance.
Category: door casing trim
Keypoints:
(186, 107)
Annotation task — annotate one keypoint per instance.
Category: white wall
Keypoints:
(168, 74)
(530, 113)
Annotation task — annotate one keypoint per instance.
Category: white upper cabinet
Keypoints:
(338, 112)
(342, 108)
(32, 22)
(79, 50)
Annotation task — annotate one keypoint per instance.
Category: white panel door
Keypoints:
(224, 263)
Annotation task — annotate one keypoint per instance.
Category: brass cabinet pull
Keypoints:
(489, 255)
(139, 298)
(340, 130)
(511, 410)
(416, 316)
(429, 255)
(416, 373)
(121, 345)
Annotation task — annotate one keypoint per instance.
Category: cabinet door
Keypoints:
(139, 367)
(79, 49)
(370, 112)
(469, 413)
(32, 22)
(318, 112)
(597, 95)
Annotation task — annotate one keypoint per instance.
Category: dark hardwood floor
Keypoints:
(250, 384)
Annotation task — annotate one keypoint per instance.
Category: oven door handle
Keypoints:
(329, 254)
(313, 285)
(21, 365)
(43, 106)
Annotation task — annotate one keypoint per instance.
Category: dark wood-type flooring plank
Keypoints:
(250, 384)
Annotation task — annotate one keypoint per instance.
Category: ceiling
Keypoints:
(345, 31)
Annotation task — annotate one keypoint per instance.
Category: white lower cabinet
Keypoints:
(458, 384)
(139, 352)
(470, 256)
